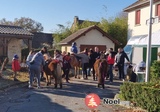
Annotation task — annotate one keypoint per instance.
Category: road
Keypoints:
(47, 99)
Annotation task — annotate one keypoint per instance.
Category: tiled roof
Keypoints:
(14, 30)
(139, 3)
(82, 32)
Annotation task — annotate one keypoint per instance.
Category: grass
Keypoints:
(7, 78)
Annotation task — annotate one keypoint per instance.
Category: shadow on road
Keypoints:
(80, 88)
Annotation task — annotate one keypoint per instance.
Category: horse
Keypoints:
(76, 64)
(53, 68)
(101, 69)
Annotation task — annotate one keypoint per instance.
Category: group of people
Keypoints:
(36, 61)
(114, 59)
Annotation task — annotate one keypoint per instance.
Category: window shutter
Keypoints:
(138, 17)
(158, 10)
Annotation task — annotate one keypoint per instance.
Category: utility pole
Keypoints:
(148, 63)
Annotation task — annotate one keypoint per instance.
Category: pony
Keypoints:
(76, 64)
(101, 69)
(53, 68)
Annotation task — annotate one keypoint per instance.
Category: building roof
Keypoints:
(14, 31)
(138, 4)
(82, 32)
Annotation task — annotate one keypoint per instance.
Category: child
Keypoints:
(66, 66)
(15, 66)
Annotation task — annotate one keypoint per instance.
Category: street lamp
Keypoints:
(148, 62)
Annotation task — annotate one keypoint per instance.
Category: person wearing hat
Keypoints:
(74, 48)
(15, 66)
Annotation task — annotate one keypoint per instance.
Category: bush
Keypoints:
(155, 71)
(145, 95)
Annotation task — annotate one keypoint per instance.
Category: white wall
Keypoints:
(94, 37)
(66, 48)
(137, 55)
(142, 28)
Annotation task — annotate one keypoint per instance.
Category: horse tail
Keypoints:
(59, 73)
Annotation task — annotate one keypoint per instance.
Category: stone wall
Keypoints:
(14, 47)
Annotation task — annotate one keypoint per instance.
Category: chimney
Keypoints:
(76, 19)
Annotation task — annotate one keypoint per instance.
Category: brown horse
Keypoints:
(52, 68)
(76, 64)
(101, 68)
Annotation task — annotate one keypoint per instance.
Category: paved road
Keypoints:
(48, 99)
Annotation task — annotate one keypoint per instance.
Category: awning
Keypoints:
(135, 39)
(142, 40)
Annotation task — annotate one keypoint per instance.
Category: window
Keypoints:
(158, 10)
(138, 12)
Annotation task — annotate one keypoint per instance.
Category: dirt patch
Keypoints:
(7, 78)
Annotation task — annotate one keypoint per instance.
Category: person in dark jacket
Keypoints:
(120, 60)
(91, 61)
(66, 66)
(96, 55)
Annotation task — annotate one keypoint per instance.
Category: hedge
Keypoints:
(145, 95)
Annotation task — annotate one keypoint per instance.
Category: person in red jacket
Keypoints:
(15, 66)
(111, 59)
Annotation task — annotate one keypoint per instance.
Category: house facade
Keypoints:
(12, 39)
(89, 37)
(138, 27)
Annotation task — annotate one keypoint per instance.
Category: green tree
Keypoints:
(26, 23)
(61, 34)
(117, 28)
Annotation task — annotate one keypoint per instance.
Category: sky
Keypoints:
(52, 12)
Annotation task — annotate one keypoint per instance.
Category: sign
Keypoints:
(92, 101)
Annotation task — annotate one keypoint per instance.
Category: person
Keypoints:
(91, 61)
(74, 48)
(85, 62)
(110, 60)
(58, 57)
(29, 58)
(47, 58)
(66, 66)
(85, 51)
(119, 61)
(36, 65)
(15, 66)
(96, 55)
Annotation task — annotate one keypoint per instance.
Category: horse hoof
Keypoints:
(60, 86)
(98, 85)
(75, 77)
(47, 84)
(103, 86)
(55, 86)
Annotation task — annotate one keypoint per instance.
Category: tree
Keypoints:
(61, 34)
(26, 23)
(116, 27)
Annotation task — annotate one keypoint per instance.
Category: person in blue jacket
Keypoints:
(74, 48)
